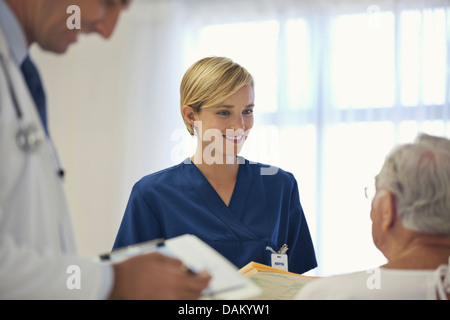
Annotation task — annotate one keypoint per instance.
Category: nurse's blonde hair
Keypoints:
(209, 82)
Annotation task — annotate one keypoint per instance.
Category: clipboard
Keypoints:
(226, 281)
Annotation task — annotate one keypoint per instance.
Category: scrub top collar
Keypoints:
(240, 188)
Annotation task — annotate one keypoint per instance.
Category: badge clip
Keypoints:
(280, 259)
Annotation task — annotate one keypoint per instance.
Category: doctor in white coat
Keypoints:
(38, 259)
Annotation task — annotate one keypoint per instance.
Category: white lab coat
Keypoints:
(37, 246)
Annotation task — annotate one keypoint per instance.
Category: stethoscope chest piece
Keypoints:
(29, 138)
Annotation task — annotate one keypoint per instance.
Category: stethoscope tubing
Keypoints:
(28, 137)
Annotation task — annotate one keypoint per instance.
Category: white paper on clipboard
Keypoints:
(226, 282)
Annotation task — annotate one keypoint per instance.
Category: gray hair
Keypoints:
(418, 175)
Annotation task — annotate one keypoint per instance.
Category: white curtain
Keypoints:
(338, 84)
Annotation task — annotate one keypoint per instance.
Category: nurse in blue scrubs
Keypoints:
(244, 210)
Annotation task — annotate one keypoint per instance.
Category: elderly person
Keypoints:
(410, 226)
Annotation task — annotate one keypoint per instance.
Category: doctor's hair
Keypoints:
(418, 174)
(209, 82)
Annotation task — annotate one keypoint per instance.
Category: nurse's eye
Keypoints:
(247, 111)
(223, 113)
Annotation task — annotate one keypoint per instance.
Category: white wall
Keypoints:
(86, 89)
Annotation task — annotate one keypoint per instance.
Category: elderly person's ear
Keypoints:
(388, 210)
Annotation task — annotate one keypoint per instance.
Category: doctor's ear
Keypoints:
(188, 114)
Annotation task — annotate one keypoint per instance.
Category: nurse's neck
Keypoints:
(217, 167)
(222, 175)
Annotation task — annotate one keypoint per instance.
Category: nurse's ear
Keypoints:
(188, 114)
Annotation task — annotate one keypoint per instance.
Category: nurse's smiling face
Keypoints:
(230, 121)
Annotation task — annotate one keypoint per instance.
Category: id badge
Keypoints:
(280, 261)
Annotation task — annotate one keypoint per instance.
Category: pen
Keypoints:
(140, 248)
(132, 250)
(190, 271)
(283, 249)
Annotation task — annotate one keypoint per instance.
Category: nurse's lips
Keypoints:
(235, 139)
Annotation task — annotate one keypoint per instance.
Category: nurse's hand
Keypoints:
(155, 276)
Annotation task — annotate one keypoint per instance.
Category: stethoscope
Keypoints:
(28, 137)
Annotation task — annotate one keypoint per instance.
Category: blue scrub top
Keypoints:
(264, 212)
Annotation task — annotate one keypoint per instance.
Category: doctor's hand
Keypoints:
(158, 277)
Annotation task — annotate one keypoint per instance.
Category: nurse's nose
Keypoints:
(238, 122)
